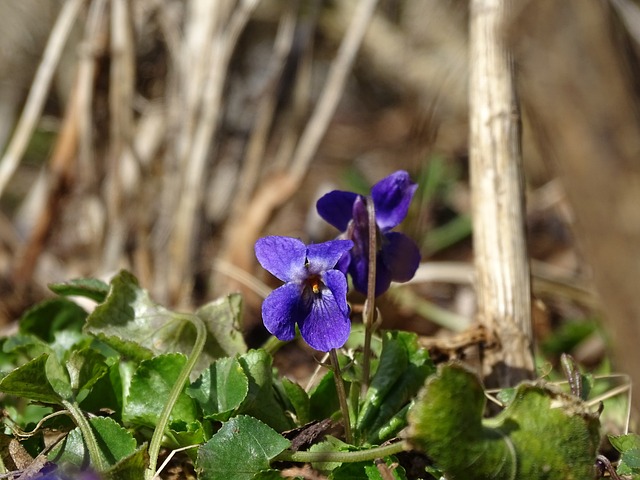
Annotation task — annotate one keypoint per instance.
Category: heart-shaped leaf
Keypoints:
(241, 448)
(543, 433)
(133, 324)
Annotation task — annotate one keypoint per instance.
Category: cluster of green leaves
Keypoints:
(133, 377)
(107, 391)
(629, 448)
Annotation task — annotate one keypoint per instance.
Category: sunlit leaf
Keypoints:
(149, 392)
(243, 447)
(629, 448)
(136, 326)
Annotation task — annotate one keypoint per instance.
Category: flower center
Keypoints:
(314, 284)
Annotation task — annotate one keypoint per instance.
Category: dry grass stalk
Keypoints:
(39, 90)
(500, 253)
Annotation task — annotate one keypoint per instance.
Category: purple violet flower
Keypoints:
(314, 294)
(398, 256)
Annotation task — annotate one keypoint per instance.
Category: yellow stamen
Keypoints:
(316, 287)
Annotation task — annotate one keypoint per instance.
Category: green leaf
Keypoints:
(323, 398)
(25, 347)
(58, 378)
(131, 467)
(629, 463)
(134, 325)
(393, 360)
(131, 323)
(622, 443)
(106, 393)
(220, 389)
(114, 442)
(243, 447)
(31, 381)
(222, 318)
(330, 444)
(186, 434)
(261, 401)
(149, 391)
(91, 288)
(299, 400)
(397, 472)
(367, 471)
(85, 367)
(51, 316)
(543, 434)
(629, 447)
(390, 417)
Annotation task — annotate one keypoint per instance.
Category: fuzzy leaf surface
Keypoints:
(543, 433)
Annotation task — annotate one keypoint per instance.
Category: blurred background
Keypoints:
(166, 136)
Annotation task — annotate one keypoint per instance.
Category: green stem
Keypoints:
(369, 306)
(342, 395)
(97, 459)
(343, 457)
(163, 421)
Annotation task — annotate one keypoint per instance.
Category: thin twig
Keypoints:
(39, 90)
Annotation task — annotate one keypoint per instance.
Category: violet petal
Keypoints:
(400, 255)
(327, 326)
(283, 257)
(325, 256)
(282, 309)
(335, 208)
(391, 198)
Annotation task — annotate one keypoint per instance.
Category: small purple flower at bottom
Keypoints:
(314, 295)
(397, 256)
